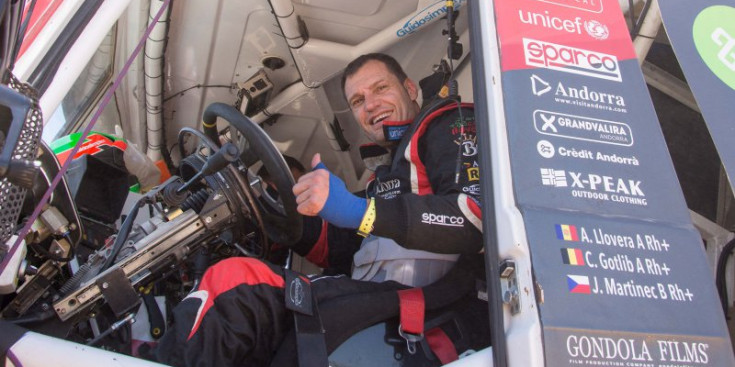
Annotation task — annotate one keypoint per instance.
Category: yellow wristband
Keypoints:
(366, 226)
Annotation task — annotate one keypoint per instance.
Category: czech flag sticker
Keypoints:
(578, 284)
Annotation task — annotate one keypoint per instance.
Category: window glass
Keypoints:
(87, 89)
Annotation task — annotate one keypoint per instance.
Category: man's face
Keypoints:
(376, 95)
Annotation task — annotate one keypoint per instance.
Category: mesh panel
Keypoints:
(12, 196)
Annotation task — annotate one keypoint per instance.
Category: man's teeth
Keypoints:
(380, 118)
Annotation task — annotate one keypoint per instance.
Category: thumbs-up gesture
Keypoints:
(312, 189)
(319, 192)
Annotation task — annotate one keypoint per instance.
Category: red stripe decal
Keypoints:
(42, 12)
(319, 254)
(474, 208)
(424, 186)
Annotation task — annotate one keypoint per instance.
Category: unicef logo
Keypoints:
(596, 29)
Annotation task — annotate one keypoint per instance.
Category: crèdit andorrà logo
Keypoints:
(714, 37)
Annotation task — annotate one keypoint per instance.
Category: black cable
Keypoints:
(631, 14)
(37, 317)
(641, 18)
(122, 235)
(720, 280)
(38, 248)
(21, 35)
(181, 92)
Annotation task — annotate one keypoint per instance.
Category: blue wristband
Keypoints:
(342, 208)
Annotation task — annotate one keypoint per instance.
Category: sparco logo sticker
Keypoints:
(582, 128)
(594, 6)
(571, 60)
(425, 16)
(442, 220)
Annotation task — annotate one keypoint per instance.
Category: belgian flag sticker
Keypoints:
(572, 256)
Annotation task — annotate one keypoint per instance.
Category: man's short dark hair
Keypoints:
(393, 66)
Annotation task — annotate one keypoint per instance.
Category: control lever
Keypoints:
(219, 160)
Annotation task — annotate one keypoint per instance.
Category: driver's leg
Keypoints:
(236, 317)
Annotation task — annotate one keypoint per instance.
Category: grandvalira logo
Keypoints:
(571, 60)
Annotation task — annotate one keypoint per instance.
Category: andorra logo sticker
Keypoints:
(714, 37)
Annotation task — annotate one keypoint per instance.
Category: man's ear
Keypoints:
(411, 88)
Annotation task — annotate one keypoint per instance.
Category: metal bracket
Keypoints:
(509, 285)
(117, 291)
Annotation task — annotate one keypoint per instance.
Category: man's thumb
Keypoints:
(316, 160)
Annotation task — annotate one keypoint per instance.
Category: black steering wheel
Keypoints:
(281, 221)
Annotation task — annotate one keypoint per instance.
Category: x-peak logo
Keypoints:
(592, 182)
(594, 6)
(571, 60)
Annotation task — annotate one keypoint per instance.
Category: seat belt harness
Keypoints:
(411, 327)
(311, 345)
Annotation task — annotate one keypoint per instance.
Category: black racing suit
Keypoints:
(427, 198)
(427, 195)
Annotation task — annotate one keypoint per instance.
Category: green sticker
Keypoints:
(714, 37)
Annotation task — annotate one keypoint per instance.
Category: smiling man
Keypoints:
(422, 208)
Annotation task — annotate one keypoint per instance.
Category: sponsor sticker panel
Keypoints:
(589, 147)
(613, 248)
(637, 274)
(562, 32)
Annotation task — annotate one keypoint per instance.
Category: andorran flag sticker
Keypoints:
(566, 232)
